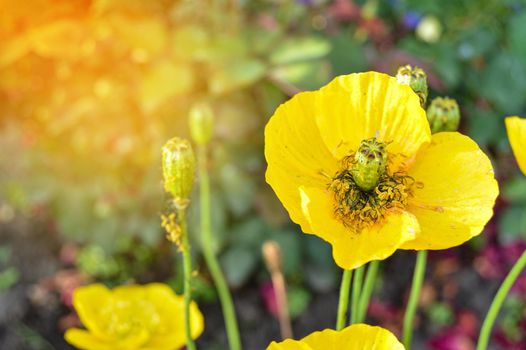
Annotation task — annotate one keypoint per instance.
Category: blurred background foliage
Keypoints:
(91, 89)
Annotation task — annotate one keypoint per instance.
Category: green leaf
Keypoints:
(299, 50)
(477, 41)
(503, 82)
(485, 126)
(236, 74)
(512, 224)
(347, 55)
(8, 278)
(516, 34)
(304, 75)
(238, 263)
(298, 299)
(289, 243)
(238, 188)
(515, 189)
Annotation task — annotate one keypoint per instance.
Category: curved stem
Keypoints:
(343, 303)
(368, 286)
(416, 287)
(225, 298)
(494, 309)
(356, 291)
(187, 268)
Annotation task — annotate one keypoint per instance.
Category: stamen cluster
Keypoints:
(358, 207)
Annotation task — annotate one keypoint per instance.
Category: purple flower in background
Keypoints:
(411, 19)
(305, 2)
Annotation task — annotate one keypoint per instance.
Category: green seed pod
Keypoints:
(369, 164)
(178, 169)
(201, 122)
(443, 114)
(416, 78)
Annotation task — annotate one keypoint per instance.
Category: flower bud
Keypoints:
(178, 170)
(369, 164)
(201, 122)
(443, 115)
(416, 78)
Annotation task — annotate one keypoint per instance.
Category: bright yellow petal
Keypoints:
(170, 308)
(296, 154)
(354, 337)
(351, 250)
(289, 344)
(458, 193)
(359, 106)
(90, 302)
(84, 340)
(516, 128)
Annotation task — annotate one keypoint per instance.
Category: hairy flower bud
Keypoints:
(416, 78)
(201, 122)
(369, 164)
(443, 114)
(178, 169)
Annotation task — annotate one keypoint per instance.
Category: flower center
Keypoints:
(364, 188)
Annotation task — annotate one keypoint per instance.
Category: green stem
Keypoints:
(416, 287)
(343, 303)
(356, 291)
(494, 309)
(368, 286)
(225, 298)
(187, 268)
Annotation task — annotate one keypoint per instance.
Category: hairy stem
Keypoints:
(225, 298)
(416, 287)
(343, 303)
(494, 309)
(368, 286)
(356, 291)
(187, 268)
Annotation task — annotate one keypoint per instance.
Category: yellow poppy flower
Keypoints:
(355, 163)
(354, 337)
(147, 317)
(516, 128)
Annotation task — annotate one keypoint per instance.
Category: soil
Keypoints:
(32, 322)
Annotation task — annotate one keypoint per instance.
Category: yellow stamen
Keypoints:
(360, 204)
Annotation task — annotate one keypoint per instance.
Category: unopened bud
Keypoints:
(370, 163)
(443, 114)
(416, 78)
(201, 122)
(178, 170)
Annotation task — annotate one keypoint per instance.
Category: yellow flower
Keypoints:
(355, 337)
(355, 163)
(146, 317)
(516, 128)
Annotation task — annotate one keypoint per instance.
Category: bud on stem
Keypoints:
(443, 114)
(416, 78)
(178, 170)
(201, 122)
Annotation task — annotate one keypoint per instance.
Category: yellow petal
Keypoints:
(355, 107)
(516, 128)
(289, 344)
(90, 302)
(458, 193)
(296, 154)
(170, 309)
(354, 337)
(84, 340)
(351, 250)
